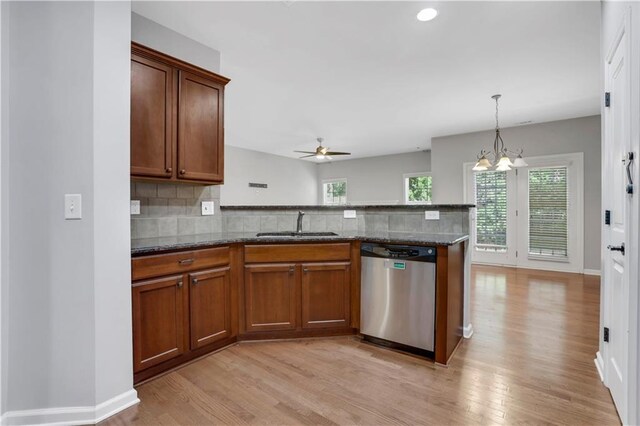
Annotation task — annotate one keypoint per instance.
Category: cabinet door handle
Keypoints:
(305, 270)
(179, 284)
(168, 170)
(194, 281)
(292, 270)
(184, 262)
(182, 171)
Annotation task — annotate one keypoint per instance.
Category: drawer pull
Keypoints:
(179, 284)
(185, 262)
(292, 270)
(305, 270)
(194, 281)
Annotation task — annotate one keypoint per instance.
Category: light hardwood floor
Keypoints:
(529, 361)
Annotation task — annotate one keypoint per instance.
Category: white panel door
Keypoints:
(615, 267)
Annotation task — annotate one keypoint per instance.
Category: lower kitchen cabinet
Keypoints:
(210, 306)
(184, 306)
(325, 295)
(158, 321)
(270, 297)
(297, 290)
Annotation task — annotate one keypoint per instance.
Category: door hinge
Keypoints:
(606, 334)
(607, 99)
(607, 217)
(516, 253)
(516, 212)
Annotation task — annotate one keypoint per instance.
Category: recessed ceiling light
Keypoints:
(427, 14)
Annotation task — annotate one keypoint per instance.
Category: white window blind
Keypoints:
(491, 211)
(548, 212)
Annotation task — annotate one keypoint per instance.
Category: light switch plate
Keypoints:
(72, 206)
(135, 207)
(349, 214)
(431, 215)
(207, 208)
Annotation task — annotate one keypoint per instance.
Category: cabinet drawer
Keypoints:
(296, 252)
(164, 264)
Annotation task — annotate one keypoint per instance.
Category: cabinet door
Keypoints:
(210, 305)
(158, 321)
(325, 295)
(200, 129)
(270, 297)
(152, 109)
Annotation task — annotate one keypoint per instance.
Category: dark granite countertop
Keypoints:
(355, 207)
(146, 246)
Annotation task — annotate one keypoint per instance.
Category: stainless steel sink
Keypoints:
(289, 234)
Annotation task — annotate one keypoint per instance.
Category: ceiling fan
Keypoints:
(321, 152)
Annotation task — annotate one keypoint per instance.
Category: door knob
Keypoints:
(182, 171)
(619, 248)
(168, 170)
(194, 281)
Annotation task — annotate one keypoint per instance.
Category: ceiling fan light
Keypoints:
(519, 162)
(319, 156)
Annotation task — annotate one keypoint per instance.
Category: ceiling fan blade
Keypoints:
(306, 152)
(337, 153)
(307, 156)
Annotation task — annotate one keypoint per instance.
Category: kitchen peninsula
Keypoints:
(193, 294)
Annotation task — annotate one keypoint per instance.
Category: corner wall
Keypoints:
(66, 284)
(449, 153)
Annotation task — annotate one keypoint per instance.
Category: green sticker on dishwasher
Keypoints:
(399, 265)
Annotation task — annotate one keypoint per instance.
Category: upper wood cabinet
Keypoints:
(177, 119)
(152, 94)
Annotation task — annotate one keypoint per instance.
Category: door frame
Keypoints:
(575, 160)
(629, 410)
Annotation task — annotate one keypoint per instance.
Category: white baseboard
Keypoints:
(591, 272)
(467, 331)
(599, 365)
(71, 415)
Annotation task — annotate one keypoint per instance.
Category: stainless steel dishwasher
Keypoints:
(398, 296)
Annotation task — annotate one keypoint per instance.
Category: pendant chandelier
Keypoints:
(500, 154)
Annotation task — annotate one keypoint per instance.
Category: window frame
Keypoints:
(335, 180)
(405, 188)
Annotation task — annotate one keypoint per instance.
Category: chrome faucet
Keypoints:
(299, 225)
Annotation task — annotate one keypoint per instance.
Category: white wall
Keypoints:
(449, 153)
(290, 181)
(67, 282)
(375, 179)
(111, 176)
(162, 39)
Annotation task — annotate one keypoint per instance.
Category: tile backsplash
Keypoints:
(167, 210)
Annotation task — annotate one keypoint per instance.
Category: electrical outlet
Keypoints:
(72, 206)
(431, 215)
(349, 214)
(135, 207)
(208, 208)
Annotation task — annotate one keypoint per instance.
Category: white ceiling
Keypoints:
(371, 79)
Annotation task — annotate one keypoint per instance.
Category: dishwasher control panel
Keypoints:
(402, 252)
